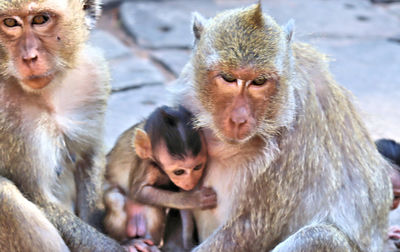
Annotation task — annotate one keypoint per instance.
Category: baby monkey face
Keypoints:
(184, 173)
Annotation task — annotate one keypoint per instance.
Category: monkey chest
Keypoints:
(222, 179)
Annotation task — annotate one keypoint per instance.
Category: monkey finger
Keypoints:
(141, 246)
(149, 242)
(394, 236)
(209, 203)
(211, 199)
(394, 233)
(208, 191)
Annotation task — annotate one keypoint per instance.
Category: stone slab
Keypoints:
(173, 60)
(154, 25)
(335, 18)
(127, 70)
(167, 24)
(109, 44)
(163, 24)
(130, 107)
(132, 72)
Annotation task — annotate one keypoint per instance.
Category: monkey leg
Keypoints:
(323, 237)
(187, 228)
(155, 220)
(145, 221)
(23, 227)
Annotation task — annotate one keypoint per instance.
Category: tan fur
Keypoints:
(115, 220)
(127, 171)
(41, 234)
(51, 153)
(309, 178)
(121, 159)
(148, 187)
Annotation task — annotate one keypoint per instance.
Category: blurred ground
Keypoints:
(148, 42)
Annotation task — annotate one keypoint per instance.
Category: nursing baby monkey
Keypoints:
(165, 157)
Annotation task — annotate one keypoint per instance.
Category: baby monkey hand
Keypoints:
(205, 198)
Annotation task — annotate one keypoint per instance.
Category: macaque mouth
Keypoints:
(48, 74)
(39, 81)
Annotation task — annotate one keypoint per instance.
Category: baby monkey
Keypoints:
(168, 161)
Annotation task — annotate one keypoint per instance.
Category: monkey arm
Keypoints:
(187, 228)
(232, 236)
(158, 197)
(88, 171)
(319, 237)
(78, 235)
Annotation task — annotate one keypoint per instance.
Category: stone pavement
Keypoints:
(148, 42)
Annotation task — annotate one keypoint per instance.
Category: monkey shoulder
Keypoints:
(95, 64)
(122, 160)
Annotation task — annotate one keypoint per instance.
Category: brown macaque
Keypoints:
(53, 96)
(166, 157)
(289, 156)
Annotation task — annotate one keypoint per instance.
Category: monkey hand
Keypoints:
(140, 245)
(394, 233)
(205, 197)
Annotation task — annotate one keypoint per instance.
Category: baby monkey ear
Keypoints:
(142, 144)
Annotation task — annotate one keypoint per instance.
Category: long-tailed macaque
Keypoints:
(289, 158)
(166, 157)
(53, 95)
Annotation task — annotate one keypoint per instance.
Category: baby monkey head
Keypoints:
(171, 141)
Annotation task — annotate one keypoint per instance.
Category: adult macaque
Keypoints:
(289, 158)
(53, 95)
(166, 158)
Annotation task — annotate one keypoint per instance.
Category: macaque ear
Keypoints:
(142, 144)
(93, 12)
(198, 23)
(289, 30)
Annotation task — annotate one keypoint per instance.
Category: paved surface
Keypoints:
(148, 42)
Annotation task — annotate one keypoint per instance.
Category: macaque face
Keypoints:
(395, 178)
(184, 173)
(38, 38)
(241, 99)
(28, 34)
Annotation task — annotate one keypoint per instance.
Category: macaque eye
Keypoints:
(259, 81)
(40, 19)
(198, 167)
(179, 172)
(228, 78)
(10, 22)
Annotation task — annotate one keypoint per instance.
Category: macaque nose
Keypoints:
(30, 57)
(239, 116)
